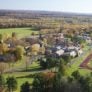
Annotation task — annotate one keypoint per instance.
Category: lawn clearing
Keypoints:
(21, 32)
(23, 76)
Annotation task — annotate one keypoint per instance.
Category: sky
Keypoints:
(78, 6)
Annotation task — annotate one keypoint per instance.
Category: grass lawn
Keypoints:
(23, 76)
(21, 32)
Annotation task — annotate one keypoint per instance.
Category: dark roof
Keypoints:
(5, 58)
(2, 58)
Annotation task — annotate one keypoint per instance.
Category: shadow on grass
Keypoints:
(32, 75)
(32, 69)
(27, 76)
(33, 29)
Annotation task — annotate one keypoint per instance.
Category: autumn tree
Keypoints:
(35, 48)
(19, 52)
(43, 82)
(1, 37)
(3, 67)
(14, 36)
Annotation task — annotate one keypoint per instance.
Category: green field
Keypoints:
(21, 77)
(24, 75)
(21, 32)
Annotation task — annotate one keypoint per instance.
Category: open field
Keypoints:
(23, 75)
(21, 32)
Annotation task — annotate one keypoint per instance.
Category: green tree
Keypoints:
(85, 83)
(76, 75)
(78, 39)
(62, 67)
(38, 83)
(25, 87)
(51, 62)
(66, 59)
(1, 37)
(43, 63)
(59, 82)
(48, 62)
(11, 83)
(2, 83)
(43, 82)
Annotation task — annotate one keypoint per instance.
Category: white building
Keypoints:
(60, 52)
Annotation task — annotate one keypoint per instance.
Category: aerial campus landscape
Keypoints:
(45, 48)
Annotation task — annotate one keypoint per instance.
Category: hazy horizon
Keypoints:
(71, 6)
